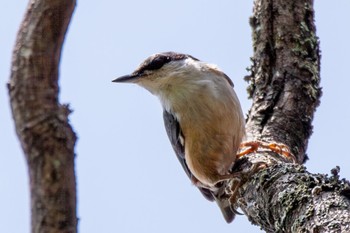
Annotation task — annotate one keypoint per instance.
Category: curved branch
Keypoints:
(41, 122)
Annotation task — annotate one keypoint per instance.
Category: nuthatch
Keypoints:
(202, 115)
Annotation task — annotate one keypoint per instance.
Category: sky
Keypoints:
(128, 177)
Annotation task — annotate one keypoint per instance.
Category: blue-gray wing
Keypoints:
(173, 130)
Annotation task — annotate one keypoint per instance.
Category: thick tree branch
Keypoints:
(284, 83)
(41, 122)
(286, 198)
(284, 86)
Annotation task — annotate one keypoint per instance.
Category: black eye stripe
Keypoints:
(159, 60)
(157, 63)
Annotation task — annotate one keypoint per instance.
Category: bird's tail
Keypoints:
(227, 209)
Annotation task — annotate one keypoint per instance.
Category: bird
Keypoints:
(202, 117)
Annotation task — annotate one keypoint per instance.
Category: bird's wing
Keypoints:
(173, 130)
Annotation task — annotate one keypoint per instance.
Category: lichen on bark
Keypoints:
(284, 86)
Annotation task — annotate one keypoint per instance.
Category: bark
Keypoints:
(41, 122)
(284, 86)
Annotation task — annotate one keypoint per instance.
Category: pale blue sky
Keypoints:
(129, 179)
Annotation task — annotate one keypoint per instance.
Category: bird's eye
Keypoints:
(158, 62)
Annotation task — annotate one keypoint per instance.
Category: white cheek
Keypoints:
(150, 85)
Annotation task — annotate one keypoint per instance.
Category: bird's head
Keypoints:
(163, 70)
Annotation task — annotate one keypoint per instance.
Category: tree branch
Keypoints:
(285, 78)
(41, 122)
(286, 198)
(284, 86)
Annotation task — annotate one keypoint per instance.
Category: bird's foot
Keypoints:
(279, 148)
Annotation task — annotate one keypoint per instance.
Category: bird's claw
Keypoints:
(279, 148)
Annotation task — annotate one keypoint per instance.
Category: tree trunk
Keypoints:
(41, 122)
(284, 86)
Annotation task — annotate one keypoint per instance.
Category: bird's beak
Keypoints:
(129, 78)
